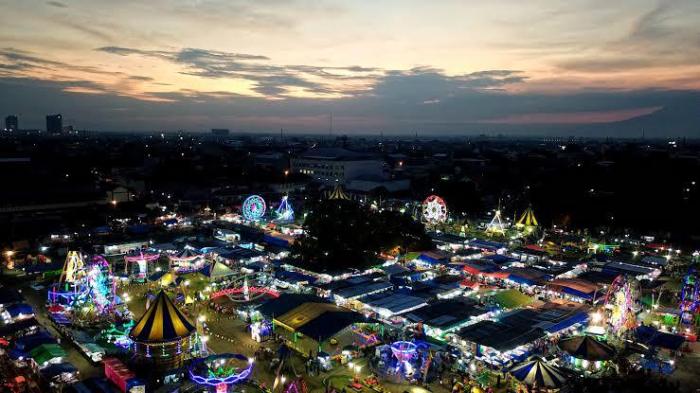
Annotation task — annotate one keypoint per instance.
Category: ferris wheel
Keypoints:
(434, 210)
(621, 303)
(254, 208)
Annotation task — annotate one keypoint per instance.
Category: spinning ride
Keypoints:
(434, 210)
(241, 291)
(284, 212)
(141, 259)
(404, 352)
(254, 208)
(87, 291)
(220, 373)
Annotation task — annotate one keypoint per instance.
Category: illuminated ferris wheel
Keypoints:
(434, 210)
(254, 208)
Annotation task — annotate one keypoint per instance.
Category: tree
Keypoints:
(344, 234)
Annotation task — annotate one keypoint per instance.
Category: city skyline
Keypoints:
(375, 66)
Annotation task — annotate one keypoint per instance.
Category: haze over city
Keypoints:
(586, 68)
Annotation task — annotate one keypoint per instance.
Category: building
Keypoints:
(11, 123)
(335, 165)
(54, 124)
(220, 131)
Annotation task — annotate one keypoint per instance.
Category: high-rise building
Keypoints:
(11, 123)
(54, 124)
(220, 131)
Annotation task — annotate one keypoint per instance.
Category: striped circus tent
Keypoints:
(527, 220)
(587, 348)
(337, 193)
(535, 372)
(162, 322)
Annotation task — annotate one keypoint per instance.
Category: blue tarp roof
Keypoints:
(27, 343)
(521, 280)
(499, 259)
(17, 326)
(58, 369)
(294, 277)
(486, 244)
(139, 228)
(43, 267)
(573, 292)
(16, 354)
(20, 308)
(568, 322)
(277, 241)
(361, 290)
(654, 338)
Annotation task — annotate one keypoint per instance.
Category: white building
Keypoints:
(335, 165)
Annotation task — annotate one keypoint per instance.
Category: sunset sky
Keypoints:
(394, 66)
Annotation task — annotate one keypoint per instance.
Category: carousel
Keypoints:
(537, 374)
(163, 337)
(585, 353)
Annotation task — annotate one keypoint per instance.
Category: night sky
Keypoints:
(435, 67)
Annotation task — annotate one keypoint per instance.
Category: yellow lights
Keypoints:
(202, 318)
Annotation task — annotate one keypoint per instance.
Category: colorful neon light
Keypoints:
(241, 290)
(210, 371)
(254, 208)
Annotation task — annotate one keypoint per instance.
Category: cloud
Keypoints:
(56, 4)
(666, 35)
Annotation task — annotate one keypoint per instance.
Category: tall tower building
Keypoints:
(11, 123)
(54, 124)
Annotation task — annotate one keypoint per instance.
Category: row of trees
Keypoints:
(343, 234)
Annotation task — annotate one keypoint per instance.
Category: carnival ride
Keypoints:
(284, 212)
(240, 291)
(186, 261)
(221, 372)
(621, 304)
(405, 352)
(88, 291)
(254, 208)
(434, 210)
(141, 259)
(527, 222)
(496, 227)
(689, 305)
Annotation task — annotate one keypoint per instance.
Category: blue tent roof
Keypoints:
(27, 343)
(521, 280)
(20, 308)
(499, 259)
(568, 322)
(58, 369)
(294, 277)
(573, 292)
(486, 244)
(654, 338)
(17, 326)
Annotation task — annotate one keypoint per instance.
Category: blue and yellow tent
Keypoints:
(536, 372)
(162, 322)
